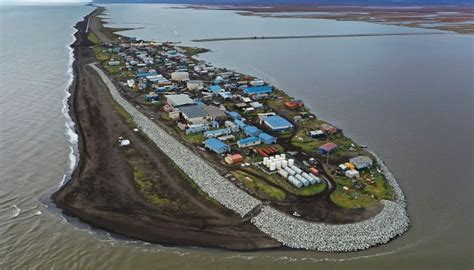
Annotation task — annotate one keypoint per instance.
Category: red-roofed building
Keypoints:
(293, 104)
(327, 148)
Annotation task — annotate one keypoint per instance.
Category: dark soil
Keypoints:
(102, 192)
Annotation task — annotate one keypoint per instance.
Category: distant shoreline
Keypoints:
(455, 18)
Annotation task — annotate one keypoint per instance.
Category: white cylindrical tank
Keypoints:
(291, 162)
(278, 164)
(294, 182)
(309, 178)
(296, 169)
(283, 156)
(302, 180)
(283, 173)
(318, 180)
(290, 171)
(272, 166)
(265, 160)
(284, 164)
(277, 157)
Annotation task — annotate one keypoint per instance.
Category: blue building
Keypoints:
(217, 133)
(277, 123)
(235, 116)
(250, 141)
(215, 89)
(196, 128)
(240, 124)
(253, 90)
(216, 146)
(251, 131)
(267, 138)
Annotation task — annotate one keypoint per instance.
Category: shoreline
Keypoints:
(263, 212)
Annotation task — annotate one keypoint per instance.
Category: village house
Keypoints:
(194, 114)
(215, 113)
(327, 148)
(267, 138)
(247, 142)
(328, 129)
(361, 162)
(216, 146)
(178, 100)
(277, 123)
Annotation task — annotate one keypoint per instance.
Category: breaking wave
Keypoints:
(71, 134)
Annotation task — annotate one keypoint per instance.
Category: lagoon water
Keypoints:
(410, 98)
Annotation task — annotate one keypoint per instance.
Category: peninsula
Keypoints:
(178, 152)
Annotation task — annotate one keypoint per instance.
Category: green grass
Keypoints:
(372, 193)
(92, 37)
(258, 185)
(195, 138)
(312, 190)
(352, 199)
(148, 189)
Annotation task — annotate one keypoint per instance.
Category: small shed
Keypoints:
(216, 146)
(232, 159)
(293, 104)
(352, 173)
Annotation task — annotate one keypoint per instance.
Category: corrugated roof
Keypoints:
(179, 100)
(248, 140)
(192, 111)
(277, 122)
(258, 89)
(328, 146)
(215, 144)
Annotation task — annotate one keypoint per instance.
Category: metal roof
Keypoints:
(258, 89)
(179, 100)
(277, 122)
(216, 145)
(248, 140)
(193, 111)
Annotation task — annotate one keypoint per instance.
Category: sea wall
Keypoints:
(287, 229)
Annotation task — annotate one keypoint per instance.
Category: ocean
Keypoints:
(410, 98)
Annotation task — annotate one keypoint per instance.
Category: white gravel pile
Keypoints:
(289, 230)
(292, 232)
